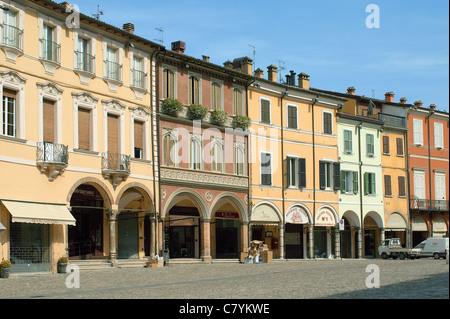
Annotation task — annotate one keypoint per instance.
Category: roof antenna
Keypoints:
(281, 67)
(98, 14)
(254, 56)
(160, 40)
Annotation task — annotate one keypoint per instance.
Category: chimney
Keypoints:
(272, 72)
(247, 66)
(303, 81)
(433, 107)
(389, 97)
(129, 27)
(179, 47)
(403, 100)
(351, 90)
(292, 78)
(259, 73)
(228, 64)
(418, 103)
(205, 58)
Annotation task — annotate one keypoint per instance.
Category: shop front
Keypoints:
(419, 230)
(182, 232)
(324, 241)
(266, 226)
(227, 237)
(396, 228)
(295, 232)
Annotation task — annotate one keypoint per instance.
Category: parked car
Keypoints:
(392, 248)
(432, 247)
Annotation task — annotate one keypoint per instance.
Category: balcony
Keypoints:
(51, 159)
(427, 204)
(393, 120)
(50, 55)
(85, 66)
(115, 168)
(12, 41)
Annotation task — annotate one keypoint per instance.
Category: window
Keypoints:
(84, 129)
(217, 156)
(138, 76)
(417, 131)
(348, 143)
(438, 135)
(329, 175)
(9, 113)
(386, 145)
(370, 145)
(50, 47)
(196, 152)
(169, 149)
(401, 186)
(327, 123)
(216, 96)
(292, 116)
(387, 185)
(266, 169)
(113, 69)
(239, 159)
(12, 35)
(138, 139)
(85, 122)
(168, 84)
(400, 147)
(349, 182)
(238, 102)
(265, 111)
(194, 90)
(369, 184)
(296, 172)
(419, 185)
(49, 120)
(84, 58)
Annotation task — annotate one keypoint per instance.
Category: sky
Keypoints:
(408, 53)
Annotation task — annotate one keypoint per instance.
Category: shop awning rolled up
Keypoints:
(396, 223)
(265, 215)
(38, 213)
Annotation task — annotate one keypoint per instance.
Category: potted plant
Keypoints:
(5, 268)
(171, 106)
(197, 112)
(241, 121)
(62, 265)
(219, 117)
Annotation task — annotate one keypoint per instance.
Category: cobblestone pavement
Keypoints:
(305, 279)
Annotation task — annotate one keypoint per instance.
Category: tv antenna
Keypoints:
(373, 93)
(254, 55)
(161, 31)
(281, 67)
(98, 14)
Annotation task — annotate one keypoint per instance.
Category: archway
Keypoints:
(371, 237)
(349, 246)
(298, 217)
(396, 228)
(419, 230)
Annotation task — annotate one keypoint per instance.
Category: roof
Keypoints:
(360, 118)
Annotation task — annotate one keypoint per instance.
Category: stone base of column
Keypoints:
(206, 259)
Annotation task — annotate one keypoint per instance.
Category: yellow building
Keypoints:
(293, 166)
(76, 134)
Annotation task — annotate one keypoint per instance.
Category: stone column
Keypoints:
(152, 234)
(337, 243)
(360, 243)
(281, 232)
(311, 241)
(112, 216)
(205, 248)
(244, 235)
(382, 236)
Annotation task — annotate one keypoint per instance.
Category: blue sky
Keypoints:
(328, 39)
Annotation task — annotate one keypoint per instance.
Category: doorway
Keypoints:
(128, 235)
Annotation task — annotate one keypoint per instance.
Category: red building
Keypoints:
(428, 149)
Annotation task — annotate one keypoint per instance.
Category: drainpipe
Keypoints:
(283, 243)
(429, 172)
(311, 234)
(249, 202)
(361, 192)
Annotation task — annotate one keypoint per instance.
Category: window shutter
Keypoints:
(355, 183)
(265, 111)
(373, 189)
(113, 134)
(366, 184)
(301, 172)
(343, 188)
(401, 186)
(322, 175)
(288, 172)
(386, 144)
(387, 185)
(337, 175)
(139, 135)
(399, 146)
(84, 129)
(327, 123)
(49, 121)
(348, 147)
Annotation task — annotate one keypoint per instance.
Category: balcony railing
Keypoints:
(138, 79)
(393, 120)
(115, 168)
(113, 71)
(12, 36)
(51, 159)
(427, 204)
(51, 51)
(85, 62)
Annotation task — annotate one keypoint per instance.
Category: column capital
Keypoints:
(112, 214)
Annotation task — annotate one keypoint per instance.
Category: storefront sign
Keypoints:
(264, 214)
(297, 215)
(227, 215)
(325, 218)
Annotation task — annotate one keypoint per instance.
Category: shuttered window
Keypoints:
(216, 96)
(400, 146)
(266, 169)
(301, 173)
(238, 107)
(369, 184)
(113, 134)
(348, 143)
(292, 116)
(387, 185)
(417, 132)
(168, 150)
(239, 161)
(386, 145)
(401, 186)
(138, 139)
(327, 123)
(370, 145)
(9, 113)
(84, 129)
(168, 84)
(265, 111)
(194, 90)
(438, 135)
(49, 120)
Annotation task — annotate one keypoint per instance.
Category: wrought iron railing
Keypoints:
(113, 71)
(52, 153)
(138, 79)
(85, 62)
(51, 51)
(116, 162)
(427, 204)
(393, 120)
(12, 36)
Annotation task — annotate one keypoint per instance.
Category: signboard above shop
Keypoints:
(297, 215)
(325, 218)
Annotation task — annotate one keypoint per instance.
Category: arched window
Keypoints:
(239, 159)
(196, 152)
(194, 90)
(238, 102)
(168, 84)
(216, 96)
(169, 149)
(217, 156)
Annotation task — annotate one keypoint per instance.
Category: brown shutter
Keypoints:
(9, 93)
(84, 129)
(113, 134)
(401, 186)
(139, 135)
(49, 121)
(386, 144)
(387, 185)
(399, 146)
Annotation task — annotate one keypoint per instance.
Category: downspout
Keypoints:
(361, 190)
(285, 93)
(408, 178)
(311, 242)
(429, 173)
(249, 202)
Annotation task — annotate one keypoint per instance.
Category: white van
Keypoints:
(432, 247)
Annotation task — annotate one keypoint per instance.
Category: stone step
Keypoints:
(91, 264)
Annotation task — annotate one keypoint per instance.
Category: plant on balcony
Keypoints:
(197, 112)
(171, 106)
(219, 117)
(241, 121)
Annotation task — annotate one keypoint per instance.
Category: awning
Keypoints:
(396, 223)
(36, 213)
(419, 224)
(264, 214)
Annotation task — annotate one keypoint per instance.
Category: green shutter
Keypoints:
(343, 182)
(336, 175)
(355, 183)
(288, 172)
(372, 184)
(322, 175)
(366, 183)
(301, 172)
